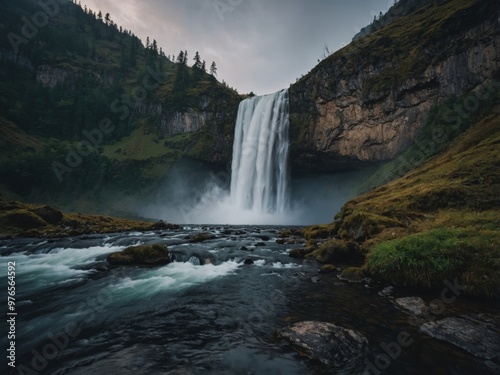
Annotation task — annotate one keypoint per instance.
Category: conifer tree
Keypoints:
(213, 69)
(197, 60)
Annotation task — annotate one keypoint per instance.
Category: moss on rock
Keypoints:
(352, 274)
(301, 252)
(150, 255)
(333, 251)
(22, 219)
(201, 237)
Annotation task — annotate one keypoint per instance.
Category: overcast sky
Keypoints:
(258, 45)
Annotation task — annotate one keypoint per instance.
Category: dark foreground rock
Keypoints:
(325, 342)
(478, 334)
(148, 255)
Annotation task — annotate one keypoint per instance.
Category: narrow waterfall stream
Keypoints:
(260, 178)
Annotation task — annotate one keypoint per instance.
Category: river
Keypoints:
(205, 313)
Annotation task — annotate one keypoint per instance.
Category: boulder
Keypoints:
(162, 225)
(147, 255)
(300, 253)
(387, 291)
(328, 268)
(414, 306)
(325, 342)
(50, 214)
(201, 237)
(478, 334)
(352, 275)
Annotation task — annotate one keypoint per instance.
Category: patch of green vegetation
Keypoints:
(429, 258)
(318, 231)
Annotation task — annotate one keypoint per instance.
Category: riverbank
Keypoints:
(440, 221)
(19, 219)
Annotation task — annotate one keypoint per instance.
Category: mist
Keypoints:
(193, 194)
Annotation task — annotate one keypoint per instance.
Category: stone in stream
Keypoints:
(478, 334)
(386, 292)
(325, 342)
(414, 306)
(145, 255)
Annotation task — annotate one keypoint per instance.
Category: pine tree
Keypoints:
(213, 69)
(204, 66)
(147, 42)
(180, 57)
(99, 16)
(107, 19)
(185, 58)
(154, 46)
(197, 60)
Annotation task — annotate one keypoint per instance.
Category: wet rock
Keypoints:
(315, 279)
(386, 292)
(263, 238)
(328, 268)
(325, 342)
(161, 225)
(260, 244)
(411, 305)
(201, 237)
(352, 275)
(300, 253)
(248, 262)
(280, 241)
(148, 255)
(477, 334)
(244, 248)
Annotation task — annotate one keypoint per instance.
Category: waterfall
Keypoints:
(259, 180)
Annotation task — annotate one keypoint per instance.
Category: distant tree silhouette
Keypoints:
(197, 60)
(213, 69)
(180, 57)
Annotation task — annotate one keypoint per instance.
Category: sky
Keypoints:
(259, 46)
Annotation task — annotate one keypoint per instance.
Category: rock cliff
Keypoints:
(367, 102)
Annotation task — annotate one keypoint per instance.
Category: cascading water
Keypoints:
(259, 180)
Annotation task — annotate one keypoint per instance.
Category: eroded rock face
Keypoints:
(345, 114)
(478, 334)
(325, 342)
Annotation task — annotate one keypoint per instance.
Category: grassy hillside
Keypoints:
(439, 221)
(27, 220)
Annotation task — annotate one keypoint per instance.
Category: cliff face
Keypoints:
(368, 102)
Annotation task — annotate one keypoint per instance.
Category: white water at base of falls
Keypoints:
(260, 178)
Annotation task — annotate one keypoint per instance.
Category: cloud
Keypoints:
(258, 45)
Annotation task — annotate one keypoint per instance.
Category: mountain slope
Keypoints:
(439, 222)
(79, 86)
(370, 100)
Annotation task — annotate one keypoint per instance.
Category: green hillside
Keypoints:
(78, 92)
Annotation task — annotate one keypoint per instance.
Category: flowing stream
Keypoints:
(205, 313)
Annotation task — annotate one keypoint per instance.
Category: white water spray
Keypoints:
(260, 177)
